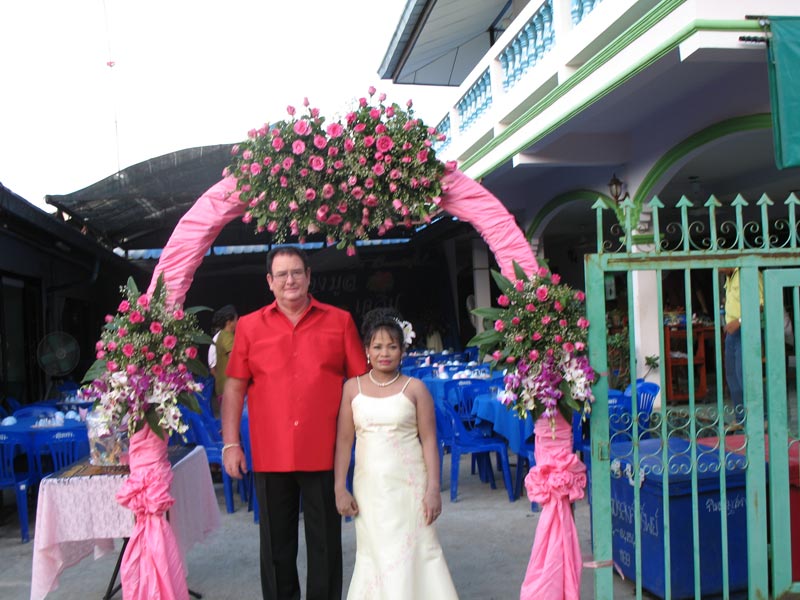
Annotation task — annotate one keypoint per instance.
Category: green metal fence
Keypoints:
(694, 498)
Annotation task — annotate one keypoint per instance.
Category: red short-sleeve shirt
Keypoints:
(295, 375)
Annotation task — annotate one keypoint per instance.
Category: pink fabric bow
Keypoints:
(152, 567)
(554, 570)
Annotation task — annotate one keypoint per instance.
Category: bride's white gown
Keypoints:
(398, 556)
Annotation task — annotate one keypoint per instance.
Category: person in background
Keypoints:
(217, 323)
(291, 358)
(396, 477)
(733, 342)
(225, 318)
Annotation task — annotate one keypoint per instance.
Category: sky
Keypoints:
(90, 87)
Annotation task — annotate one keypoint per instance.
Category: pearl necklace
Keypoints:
(385, 384)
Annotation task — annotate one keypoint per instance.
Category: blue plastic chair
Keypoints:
(459, 440)
(646, 393)
(199, 433)
(461, 394)
(248, 479)
(12, 404)
(63, 447)
(11, 446)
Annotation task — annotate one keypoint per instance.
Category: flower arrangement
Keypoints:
(145, 360)
(539, 336)
(373, 171)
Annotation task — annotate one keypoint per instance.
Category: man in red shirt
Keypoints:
(291, 358)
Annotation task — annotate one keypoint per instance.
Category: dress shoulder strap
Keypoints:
(358, 381)
(406, 385)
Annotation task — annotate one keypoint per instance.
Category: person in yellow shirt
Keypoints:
(733, 338)
(226, 318)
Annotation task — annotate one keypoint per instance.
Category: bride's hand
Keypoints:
(345, 504)
(432, 505)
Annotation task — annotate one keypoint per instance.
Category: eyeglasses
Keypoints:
(284, 275)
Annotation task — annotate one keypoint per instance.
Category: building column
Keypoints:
(481, 279)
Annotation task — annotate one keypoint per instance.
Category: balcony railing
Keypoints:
(534, 34)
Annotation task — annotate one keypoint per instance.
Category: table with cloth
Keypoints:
(436, 385)
(78, 513)
(493, 415)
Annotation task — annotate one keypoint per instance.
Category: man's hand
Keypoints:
(234, 462)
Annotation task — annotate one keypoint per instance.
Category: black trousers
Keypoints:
(279, 497)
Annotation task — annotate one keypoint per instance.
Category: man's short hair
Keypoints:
(288, 251)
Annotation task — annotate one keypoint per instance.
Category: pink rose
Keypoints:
(273, 206)
(583, 322)
(191, 352)
(518, 338)
(301, 127)
(359, 127)
(546, 320)
(422, 156)
(99, 345)
(342, 207)
(556, 279)
(519, 285)
(334, 219)
(112, 346)
(568, 347)
(503, 300)
(290, 110)
(533, 355)
(143, 301)
(277, 143)
(541, 293)
(379, 169)
(124, 306)
(247, 154)
(108, 318)
(156, 327)
(515, 321)
(335, 130)
(542, 272)
(166, 359)
(178, 314)
(317, 163)
(580, 296)
(311, 194)
(100, 355)
(287, 163)
(156, 370)
(375, 113)
(351, 250)
(371, 89)
(562, 322)
(170, 341)
(131, 369)
(150, 355)
(122, 332)
(369, 140)
(272, 226)
(322, 212)
(536, 336)
(128, 350)
(320, 141)
(497, 355)
(499, 325)
(349, 145)
(298, 146)
(327, 191)
(112, 366)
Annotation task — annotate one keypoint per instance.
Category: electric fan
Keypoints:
(58, 354)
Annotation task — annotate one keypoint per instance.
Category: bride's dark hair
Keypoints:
(387, 319)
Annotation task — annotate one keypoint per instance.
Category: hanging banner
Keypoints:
(784, 89)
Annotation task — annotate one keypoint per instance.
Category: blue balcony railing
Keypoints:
(475, 102)
(444, 128)
(581, 8)
(528, 47)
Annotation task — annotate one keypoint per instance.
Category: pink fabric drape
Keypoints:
(471, 202)
(193, 236)
(152, 567)
(559, 478)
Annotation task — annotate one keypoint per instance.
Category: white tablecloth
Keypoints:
(80, 515)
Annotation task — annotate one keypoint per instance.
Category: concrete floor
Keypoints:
(486, 539)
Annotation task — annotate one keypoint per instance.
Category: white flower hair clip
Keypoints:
(408, 332)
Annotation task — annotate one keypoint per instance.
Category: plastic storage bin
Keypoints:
(681, 516)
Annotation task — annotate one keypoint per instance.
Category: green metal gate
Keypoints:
(686, 500)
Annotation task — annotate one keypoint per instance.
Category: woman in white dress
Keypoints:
(396, 494)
